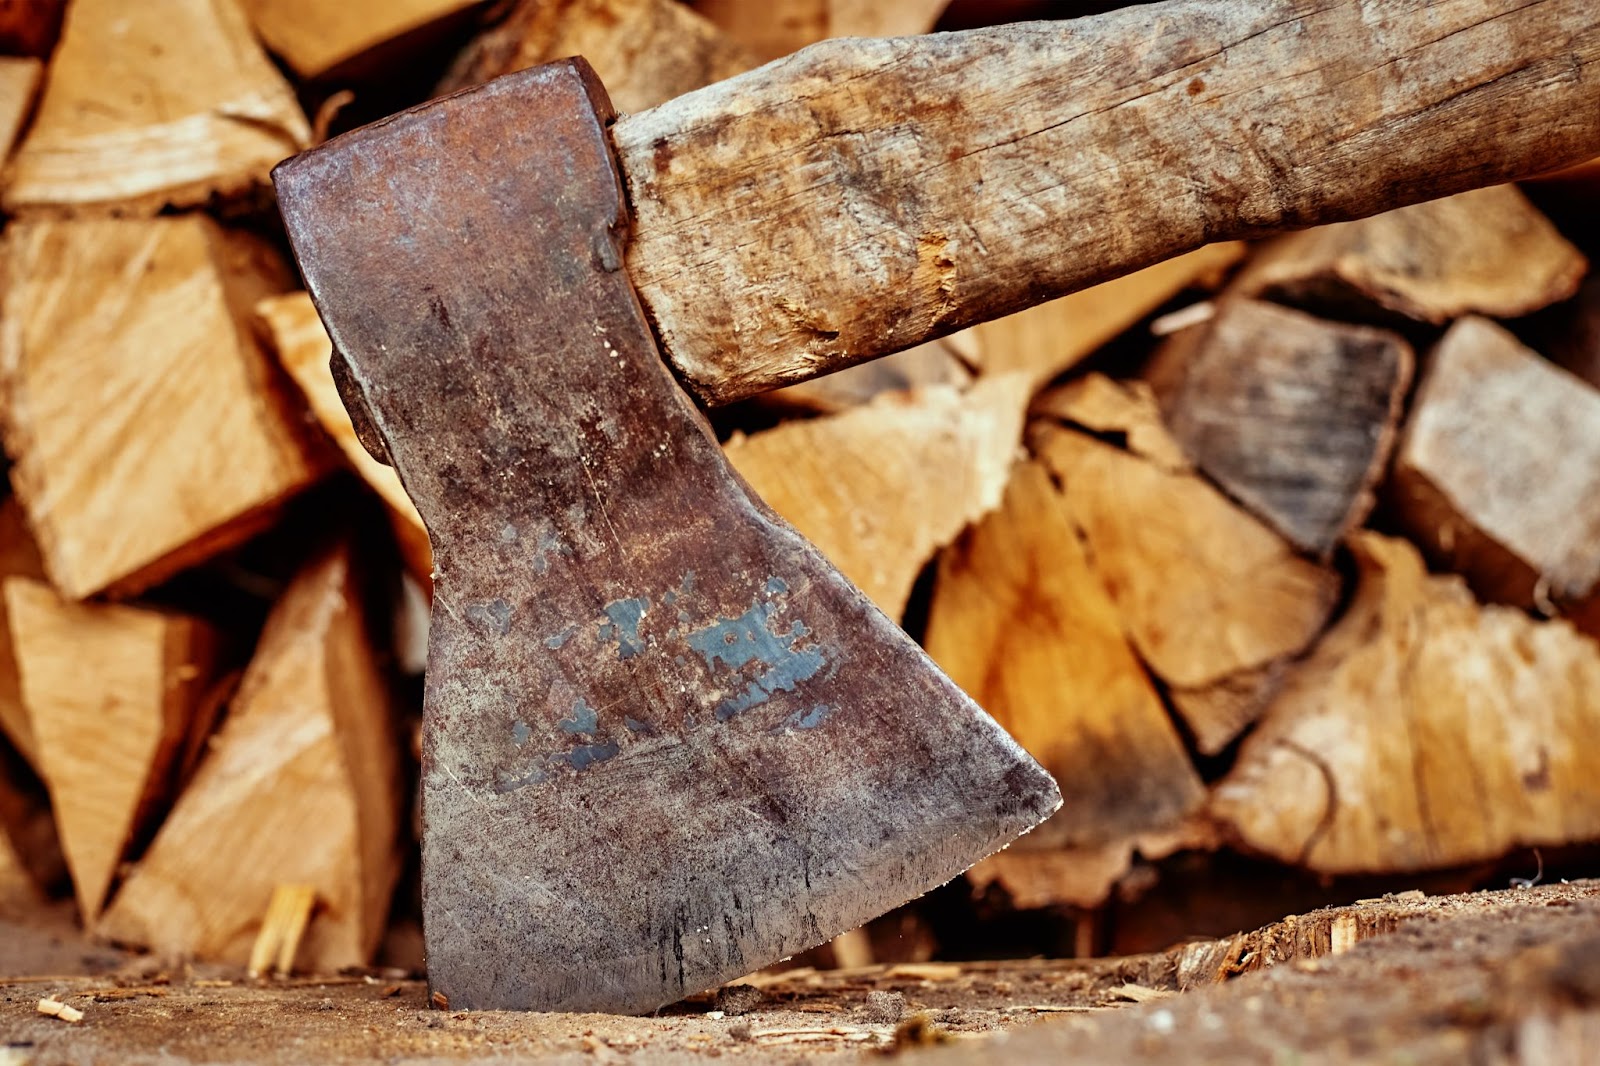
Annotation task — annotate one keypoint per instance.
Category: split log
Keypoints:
(645, 51)
(1292, 416)
(1021, 622)
(1122, 411)
(112, 694)
(19, 83)
(315, 37)
(1213, 600)
(295, 331)
(778, 27)
(1424, 731)
(1498, 473)
(30, 851)
(880, 488)
(19, 557)
(819, 212)
(1431, 263)
(1053, 337)
(134, 468)
(925, 365)
(18, 893)
(153, 104)
(301, 786)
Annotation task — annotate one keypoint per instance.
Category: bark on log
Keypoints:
(1292, 416)
(1431, 263)
(879, 489)
(152, 104)
(1022, 623)
(1213, 600)
(1423, 732)
(866, 196)
(1498, 473)
(295, 332)
(301, 786)
(645, 51)
(1046, 340)
(30, 27)
(112, 694)
(133, 468)
(314, 37)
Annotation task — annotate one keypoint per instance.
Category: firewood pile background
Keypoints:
(1284, 557)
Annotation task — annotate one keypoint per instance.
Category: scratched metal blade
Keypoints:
(665, 742)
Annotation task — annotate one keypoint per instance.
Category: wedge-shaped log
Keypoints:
(760, 757)
(1214, 600)
(19, 557)
(151, 104)
(779, 27)
(1291, 415)
(315, 37)
(1053, 337)
(1498, 473)
(645, 51)
(301, 786)
(148, 428)
(1424, 731)
(1430, 262)
(1021, 621)
(303, 349)
(880, 489)
(113, 693)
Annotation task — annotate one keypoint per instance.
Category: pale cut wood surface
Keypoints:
(934, 363)
(296, 334)
(880, 488)
(19, 82)
(315, 36)
(1487, 252)
(112, 692)
(1424, 731)
(1292, 416)
(154, 103)
(1021, 621)
(148, 428)
(19, 557)
(1125, 409)
(300, 786)
(774, 28)
(645, 51)
(1498, 472)
(1053, 337)
(866, 196)
(1209, 596)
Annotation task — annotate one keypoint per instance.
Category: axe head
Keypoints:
(665, 743)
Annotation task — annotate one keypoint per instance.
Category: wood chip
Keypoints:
(278, 942)
(57, 1009)
(1140, 993)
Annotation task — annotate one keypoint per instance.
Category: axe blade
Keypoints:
(665, 742)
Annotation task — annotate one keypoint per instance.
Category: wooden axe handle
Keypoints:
(864, 196)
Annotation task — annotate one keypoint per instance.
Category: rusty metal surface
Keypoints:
(665, 742)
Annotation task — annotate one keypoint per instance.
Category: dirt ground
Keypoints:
(1508, 976)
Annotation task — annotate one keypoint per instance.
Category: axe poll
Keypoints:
(665, 742)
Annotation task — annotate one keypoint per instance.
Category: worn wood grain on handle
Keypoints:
(863, 196)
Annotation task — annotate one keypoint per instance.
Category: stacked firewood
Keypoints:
(1288, 550)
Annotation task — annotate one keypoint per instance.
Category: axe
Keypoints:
(665, 743)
